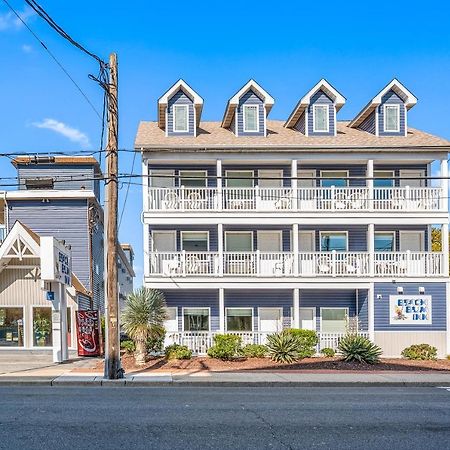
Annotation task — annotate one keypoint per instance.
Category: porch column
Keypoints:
(219, 184)
(294, 184)
(444, 243)
(296, 308)
(220, 249)
(221, 310)
(444, 184)
(371, 313)
(369, 182)
(294, 250)
(371, 248)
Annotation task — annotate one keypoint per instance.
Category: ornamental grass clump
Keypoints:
(420, 352)
(283, 347)
(354, 347)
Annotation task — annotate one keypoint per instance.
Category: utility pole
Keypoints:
(113, 368)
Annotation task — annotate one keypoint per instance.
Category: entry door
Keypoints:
(411, 240)
(270, 320)
(308, 319)
(307, 243)
(306, 194)
(270, 242)
(164, 241)
(162, 178)
(417, 174)
(270, 178)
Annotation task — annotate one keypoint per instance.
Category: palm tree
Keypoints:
(143, 318)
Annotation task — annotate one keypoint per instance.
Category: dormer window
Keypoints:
(392, 118)
(181, 118)
(251, 118)
(321, 119)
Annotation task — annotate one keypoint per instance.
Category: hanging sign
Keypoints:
(410, 309)
(56, 261)
(88, 333)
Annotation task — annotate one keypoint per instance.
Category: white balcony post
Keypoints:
(182, 196)
(444, 185)
(145, 186)
(369, 174)
(333, 263)
(222, 310)
(371, 313)
(219, 184)
(371, 248)
(294, 184)
(294, 250)
(444, 245)
(183, 263)
(296, 308)
(220, 247)
(258, 263)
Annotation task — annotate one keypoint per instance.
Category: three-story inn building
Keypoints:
(252, 225)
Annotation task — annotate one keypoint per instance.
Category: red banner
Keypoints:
(88, 333)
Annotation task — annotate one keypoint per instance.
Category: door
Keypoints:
(271, 259)
(307, 245)
(306, 192)
(270, 241)
(238, 259)
(270, 197)
(414, 264)
(308, 319)
(411, 240)
(270, 320)
(239, 178)
(164, 263)
(270, 178)
(161, 192)
(416, 175)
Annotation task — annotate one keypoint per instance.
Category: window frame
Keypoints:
(333, 232)
(196, 307)
(322, 172)
(240, 307)
(327, 107)
(182, 233)
(191, 171)
(252, 178)
(174, 237)
(244, 122)
(272, 308)
(386, 106)
(24, 325)
(280, 238)
(236, 232)
(33, 307)
(394, 241)
(345, 308)
(169, 174)
(175, 108)
(391, 178)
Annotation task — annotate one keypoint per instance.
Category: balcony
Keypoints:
(408, 199)
(286, 264)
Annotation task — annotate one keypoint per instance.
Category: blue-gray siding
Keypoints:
(98, 283)
(391, 98)
(320, 98)
(438, 307)
(180, 98)
(250, 98)
(369, 124)
(301, 125)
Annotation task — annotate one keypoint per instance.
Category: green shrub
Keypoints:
(254, 351)
(176, 351)
(283, 347)
(307, 339)
(155, 344)
(328, 352)
(226, 346)
(420, 351)
(358, 348)
(128, 346)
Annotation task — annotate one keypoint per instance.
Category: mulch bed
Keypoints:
(263, 364)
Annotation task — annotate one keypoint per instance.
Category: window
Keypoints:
(180, 118)
(194, 241)
(383, 178)
(337, 178)
(11, 327)
(333, 241)
(193, 178)
(42, 183)
(42, 327)
(196, 319)
(333, 320)
(320, 118)
(392, 118)
(239, 178)
(384, 241)
(161, 178)
(241, 241)
(239, 319)
(251, 118)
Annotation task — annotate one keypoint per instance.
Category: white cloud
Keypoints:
(27, 48)
(9, 21)
(65, 130)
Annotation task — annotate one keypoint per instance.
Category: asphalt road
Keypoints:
(224, 418)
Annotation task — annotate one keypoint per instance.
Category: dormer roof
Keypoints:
(409, 99)
(234, 101)
(323, 85)
(164, 100)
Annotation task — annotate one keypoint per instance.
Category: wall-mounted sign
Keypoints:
(56, 261)
(410, 309)
(88, 333)
(50, 295)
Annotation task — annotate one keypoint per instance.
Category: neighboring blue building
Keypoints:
(252, 225)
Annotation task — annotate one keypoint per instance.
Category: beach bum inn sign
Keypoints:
(56, 261)
(410, 309)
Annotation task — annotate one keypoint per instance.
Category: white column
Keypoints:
(444, 185)
(444, 240)
(59, 331)
(63, 308)
(219, 184)
(146, 235)
(369, 181)
(222, 310)
(294, 184)
(371, 313)
(447, 292)
(296, 308)
(220, 248)
(294, 249)
(371, 248)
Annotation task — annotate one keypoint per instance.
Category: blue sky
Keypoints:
(287, 47)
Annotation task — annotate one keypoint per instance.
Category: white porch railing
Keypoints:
(312, 264)
(352, 198)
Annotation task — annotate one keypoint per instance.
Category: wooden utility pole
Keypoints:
(113, 368)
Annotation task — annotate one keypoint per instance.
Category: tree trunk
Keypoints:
(140, 353)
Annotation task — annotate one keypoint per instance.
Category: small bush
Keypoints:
(328, 352)
(307, 340)
(155, 344)
(128, 346)
(420, 351)
(283, 347)
(254, 351)
(226, 346)
(176, 351)
(358, 348)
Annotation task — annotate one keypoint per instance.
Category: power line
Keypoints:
(128, 190)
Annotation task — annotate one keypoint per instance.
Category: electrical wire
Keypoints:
(128, 190)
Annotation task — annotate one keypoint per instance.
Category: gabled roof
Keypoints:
(395, 85)
(323, 85)
(234, 101)
(164, 100)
